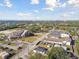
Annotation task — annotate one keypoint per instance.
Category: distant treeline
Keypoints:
(40, 26)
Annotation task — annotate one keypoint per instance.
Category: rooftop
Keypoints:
(57, 33)
(59, 39)
(42, 49)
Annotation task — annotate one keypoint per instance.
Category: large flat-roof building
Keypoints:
(59, 37)
(17, 33)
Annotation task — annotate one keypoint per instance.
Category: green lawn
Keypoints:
(28, 39)
(40, 35)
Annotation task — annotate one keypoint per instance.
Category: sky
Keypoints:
(39, 10)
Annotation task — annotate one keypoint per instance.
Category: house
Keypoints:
(40, 50)
(4, 55)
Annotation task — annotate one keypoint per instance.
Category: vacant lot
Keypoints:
(32, 38)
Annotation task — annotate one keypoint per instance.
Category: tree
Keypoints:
(57, 53)
(54, 53)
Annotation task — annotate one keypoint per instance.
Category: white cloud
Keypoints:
(52, 3)
(6, 3)
(57, 3)
(35, 2)
(24, 14)
(68, 14)
(50, 9)
(74, 3)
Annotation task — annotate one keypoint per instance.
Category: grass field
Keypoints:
(31, 38)
(28, 39)
(3, 42)
(12, 44)
(42, 45)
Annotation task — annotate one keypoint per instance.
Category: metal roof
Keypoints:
(42, 49)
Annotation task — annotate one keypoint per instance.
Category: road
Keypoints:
(38, 40)
(30, 46)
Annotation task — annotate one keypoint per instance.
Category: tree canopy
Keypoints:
(54, 53)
